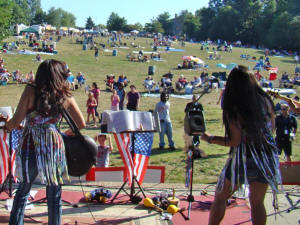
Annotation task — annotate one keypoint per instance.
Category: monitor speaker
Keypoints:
(194, 123)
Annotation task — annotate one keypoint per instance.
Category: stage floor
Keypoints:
(121, 212)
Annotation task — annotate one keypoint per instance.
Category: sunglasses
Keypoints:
(284, 109)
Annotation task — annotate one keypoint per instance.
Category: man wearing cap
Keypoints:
(286, 128)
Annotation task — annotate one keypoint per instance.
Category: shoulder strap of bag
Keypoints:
(70, 121)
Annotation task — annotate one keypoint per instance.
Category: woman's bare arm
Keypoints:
(26, 102)
(75, 113)
(235, 140)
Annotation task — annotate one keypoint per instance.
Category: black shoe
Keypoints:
(161, 147)
(172, 148)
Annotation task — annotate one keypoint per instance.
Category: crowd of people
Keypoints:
(15, 76)
(249, 119)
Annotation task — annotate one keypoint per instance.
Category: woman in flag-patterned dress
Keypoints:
(41, 150)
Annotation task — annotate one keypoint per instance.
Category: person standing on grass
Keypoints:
(249, 119)
(286, 128)
(121, 93)
(133, 99)
(115, 100)
(96, 53)
(41, 150)
(163, 110)
(96, 91)
(91, 104)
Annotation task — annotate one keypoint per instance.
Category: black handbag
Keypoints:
(81, 150)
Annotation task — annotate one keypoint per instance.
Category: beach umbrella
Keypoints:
(197, 60)
(186, 57)
(221, 65)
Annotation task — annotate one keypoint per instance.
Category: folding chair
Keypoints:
(290, 176)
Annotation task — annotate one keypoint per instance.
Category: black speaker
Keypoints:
(194, 123)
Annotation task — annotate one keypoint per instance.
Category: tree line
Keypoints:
(268, 23)
(29, 12)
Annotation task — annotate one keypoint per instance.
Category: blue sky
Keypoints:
(133, 10)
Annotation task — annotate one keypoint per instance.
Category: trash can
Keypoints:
(84, 47)
(151, 70)
(115, 52)
(188, 89)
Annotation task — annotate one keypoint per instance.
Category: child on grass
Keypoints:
(103, 150)
(91, 104)
(115, 100)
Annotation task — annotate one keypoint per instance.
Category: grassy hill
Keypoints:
(206, 170)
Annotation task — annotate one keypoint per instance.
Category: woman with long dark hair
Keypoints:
(248, 116)
(41, 150)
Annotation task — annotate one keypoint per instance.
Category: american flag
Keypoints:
(4, 155)
(142, 151)
(4, 152)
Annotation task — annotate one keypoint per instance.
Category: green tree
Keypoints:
(21, 12)
(154, 27)
(293, 7)
(34, 6)
(89, 23)
(294, 33)
(115, 22)
(224, 25)
(39, 17)
(19, 15)
(6, 7)
(278, 36)
(206, 19)
(165, 21)
(129, 27)
(59, 17)
(191, 26)
(101, 26)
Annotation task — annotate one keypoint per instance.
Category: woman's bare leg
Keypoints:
(218, 207)
(256, 197)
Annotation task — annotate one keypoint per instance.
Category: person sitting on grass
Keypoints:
(196, 82)
(149, 83)
(91, 104)
(38, 58)
(123, 79)
(110, 81)
(17, 76)
(182, 82)
(29, 77)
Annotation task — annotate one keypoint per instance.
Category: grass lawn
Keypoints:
(206, 170)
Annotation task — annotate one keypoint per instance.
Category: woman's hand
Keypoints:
(205, 137)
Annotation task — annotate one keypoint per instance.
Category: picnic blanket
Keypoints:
(171, 95)
(28, 52)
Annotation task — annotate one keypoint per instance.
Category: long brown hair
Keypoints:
(51, 87)
(246, 104)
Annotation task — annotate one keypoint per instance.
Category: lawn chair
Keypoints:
(290, 176)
